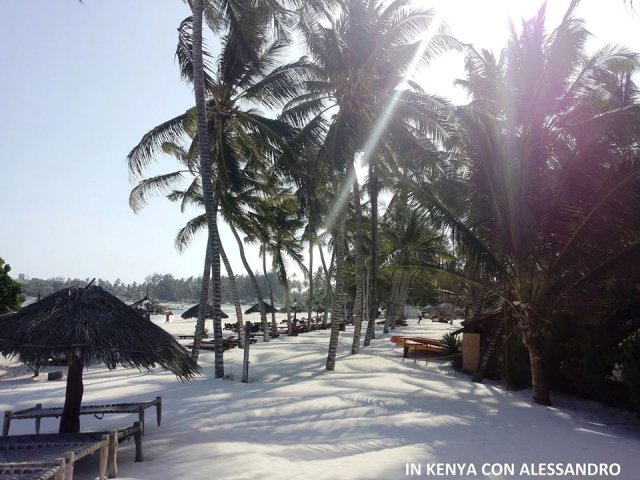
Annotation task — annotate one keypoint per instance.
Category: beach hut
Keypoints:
(85, 325)
(149, 306)
(256, 308)
(475, 332)
(193, 312)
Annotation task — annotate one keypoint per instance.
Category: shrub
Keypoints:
(452, 347)
(627, 370)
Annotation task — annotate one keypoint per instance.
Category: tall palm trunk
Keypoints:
(358, 307)
(217, 296)
(206, 170)
(254, 282)
(310, 306)
(274, 325)
(336, 304)
(286, 301)
(328, 289)
(373, 279)
(199, 329)
(235, 295)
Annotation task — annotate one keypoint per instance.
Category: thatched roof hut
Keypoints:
(149, 306)
(256, 308)
(88, 324)
(193, 312)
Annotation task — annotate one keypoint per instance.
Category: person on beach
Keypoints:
(167, 315)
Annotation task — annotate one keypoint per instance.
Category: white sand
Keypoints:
(366, 420)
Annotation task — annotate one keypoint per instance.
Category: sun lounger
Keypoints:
(49, 455)
(32, 471)
(429, 345)
(38, 412)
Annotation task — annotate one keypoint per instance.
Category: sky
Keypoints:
(80, 84)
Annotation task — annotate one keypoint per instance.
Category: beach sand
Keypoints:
(375, 417)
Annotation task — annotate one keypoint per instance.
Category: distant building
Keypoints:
(22, 278)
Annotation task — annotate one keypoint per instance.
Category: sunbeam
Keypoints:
(383, 120)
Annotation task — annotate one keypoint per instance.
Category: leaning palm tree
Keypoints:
(552, 178)
(358, 62)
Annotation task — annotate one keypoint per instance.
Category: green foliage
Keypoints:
(452, 345)
(162, 287)
(627, 369)
(9, 290)
(512, 362)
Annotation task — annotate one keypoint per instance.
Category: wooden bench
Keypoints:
(38, 412)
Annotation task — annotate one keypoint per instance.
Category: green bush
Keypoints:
(452, 346)
(627, 369)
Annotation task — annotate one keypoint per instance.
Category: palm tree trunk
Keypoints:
(199, 329)
(532, 341)
(328, 289)
(358, 307)
(274, 325)
(204, 147)
(254, 282)
(236, 296)
(286, 301)
(336, 304)
(373, 279)
(217, 296)
(310, 306)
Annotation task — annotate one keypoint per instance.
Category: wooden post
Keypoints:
(38, 407)
(60, 473)
(70, 419)
(6, 423)
(112, 458)
(137, 437)
(69, 459)
(247, 342)
(141, 418)
(159, 409)
(104, 454)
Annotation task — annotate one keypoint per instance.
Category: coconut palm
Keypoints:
(358, 62)
(241, 135)
(553, 174)
(275, 225)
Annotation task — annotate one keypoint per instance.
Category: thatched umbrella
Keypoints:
(147, 305)
(319, 308)
(294, 307)
(88, 324)
(256, 308)
(193, 312)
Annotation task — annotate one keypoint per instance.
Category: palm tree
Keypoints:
(241, 134)
(358, 63)
(552, 174)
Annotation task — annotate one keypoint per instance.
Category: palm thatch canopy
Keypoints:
(292, 308)
(91, 322)
(147, 305)
(193, 312)
(256, 308)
